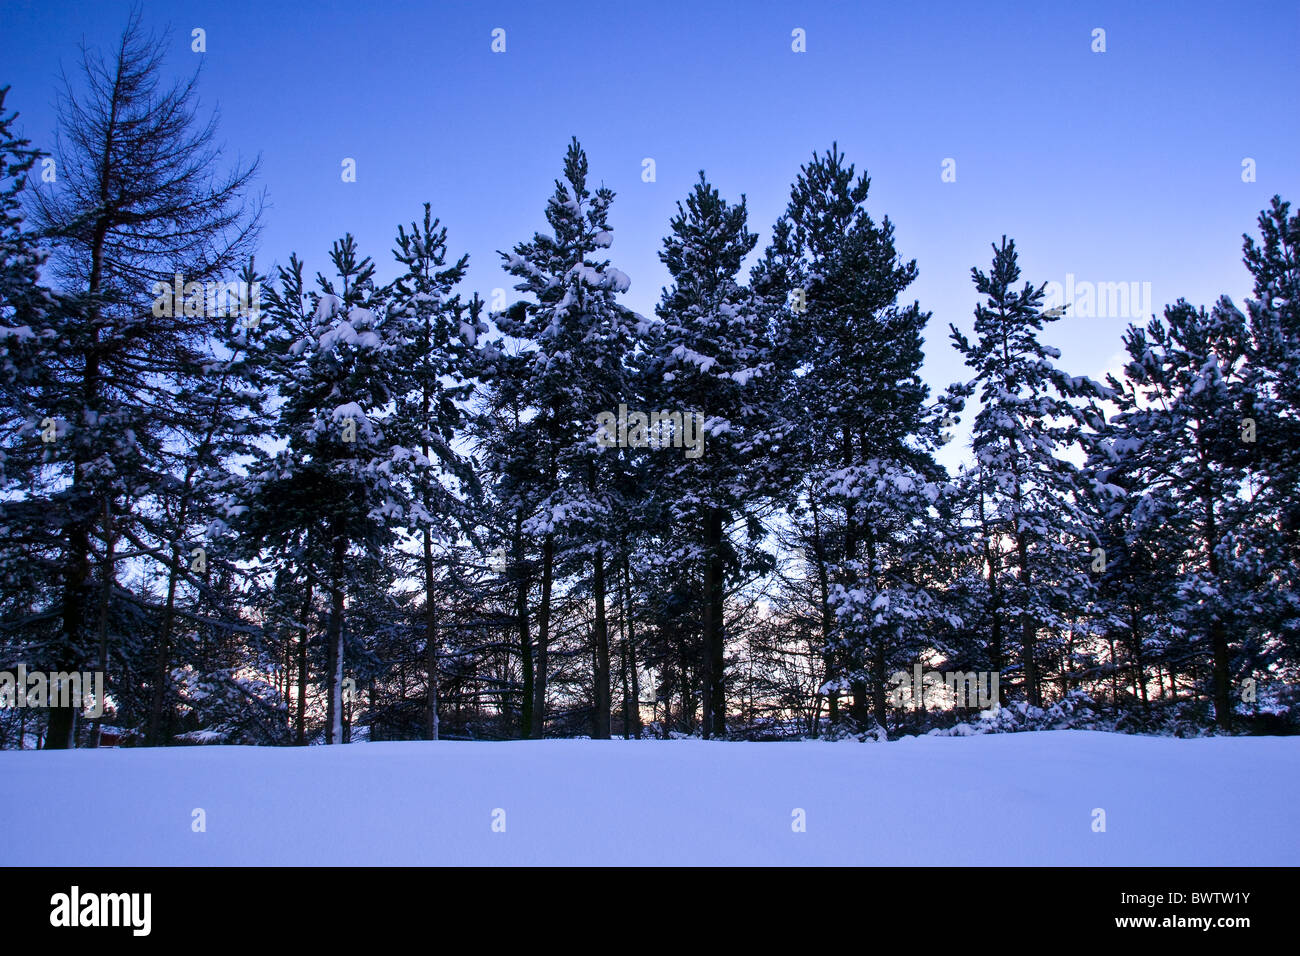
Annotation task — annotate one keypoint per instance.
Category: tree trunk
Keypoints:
(334, 704)
(823, 585)
(1067, 666)
(622, 661)
(623, 680)
(1222, 691)
(430, 643)
(1218, 634)
(105, 602)
(162, 658)
(601, 720)
(713, 689)
(62, 725)
(1028, 627)
(1139, 665)
(431, 729)
(631, 649)
(59, 735)
(1114, 674)
(879, 646)
(859, 708)
(303, 641)
(543, 637)
(997, 660)
(525, 641)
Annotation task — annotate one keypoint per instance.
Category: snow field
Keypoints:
(999, 799)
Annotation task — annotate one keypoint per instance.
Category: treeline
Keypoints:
(390, 510)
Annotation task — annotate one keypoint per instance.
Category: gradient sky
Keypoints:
(1123, 166)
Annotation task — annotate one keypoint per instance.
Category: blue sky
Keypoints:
(1122, 166)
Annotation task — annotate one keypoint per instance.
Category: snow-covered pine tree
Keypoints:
(1033, 521)
(511, 474)
(436, 337)
(1274, 386)
(866, 428)
(340, 478)
(710, 356)
(138, 200)
(1182, 404)
(580, 337)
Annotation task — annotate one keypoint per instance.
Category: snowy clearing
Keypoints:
(1002, 799)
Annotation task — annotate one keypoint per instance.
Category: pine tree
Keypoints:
(579, 336)
(1032, 518)
(710, 358)
(512, 474)
(436, 335)
(1273, 388)
(854, 387)
(139, 199)
(1182, 405)
(340, 480)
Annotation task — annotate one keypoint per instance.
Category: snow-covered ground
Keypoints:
(993, 800)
